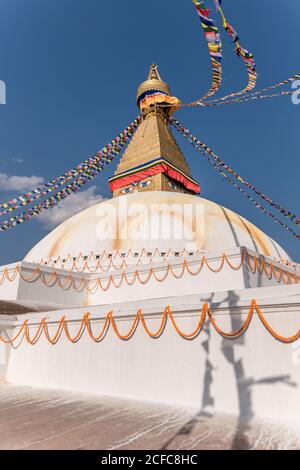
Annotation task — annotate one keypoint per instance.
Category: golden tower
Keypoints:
(153, 160)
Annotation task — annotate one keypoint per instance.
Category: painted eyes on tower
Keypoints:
(175, 187)
(144, 184)
(127, 190)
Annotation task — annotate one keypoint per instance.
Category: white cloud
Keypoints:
(17, 160)
(19, 183)
(70, 206)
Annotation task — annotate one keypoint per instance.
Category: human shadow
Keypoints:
(241, 433)
(207, 399)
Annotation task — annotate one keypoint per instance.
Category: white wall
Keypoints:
(6, 331)
(254, 375)
(9, 290)
(38, 291)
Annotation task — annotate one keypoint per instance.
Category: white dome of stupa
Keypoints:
(154, 220)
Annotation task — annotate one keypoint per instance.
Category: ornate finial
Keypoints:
(153, 73)
(153, 83)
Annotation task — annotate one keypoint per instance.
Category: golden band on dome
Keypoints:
(151, 85)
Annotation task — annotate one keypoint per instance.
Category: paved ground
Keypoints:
(43, 419)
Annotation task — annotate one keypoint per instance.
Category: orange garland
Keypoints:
(139, 318)
(259, 265)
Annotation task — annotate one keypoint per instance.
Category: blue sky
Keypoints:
(71, 69)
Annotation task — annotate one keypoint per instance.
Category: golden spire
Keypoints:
(153, 160)
(154, 73)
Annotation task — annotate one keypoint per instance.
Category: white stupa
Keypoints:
(155, 244)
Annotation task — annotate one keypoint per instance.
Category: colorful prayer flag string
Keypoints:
(246, 98)
(48, 203)
(101, 159)
(215, 48)
(221, 167)
(259, 93)
(245, 55)
(213, 39)
(73, 187)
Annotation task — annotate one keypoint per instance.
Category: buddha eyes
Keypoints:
(127, 190)
(144, 184)
(175, 187)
